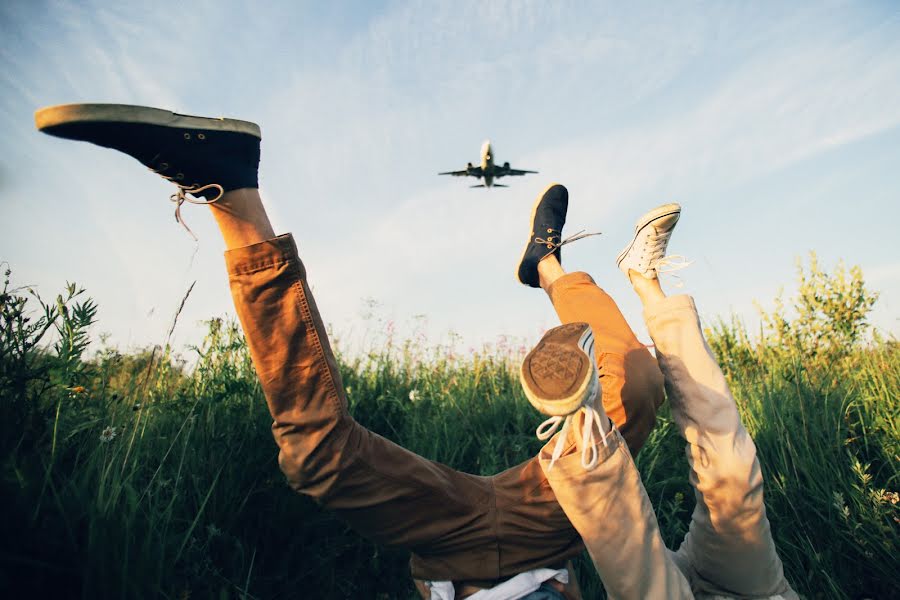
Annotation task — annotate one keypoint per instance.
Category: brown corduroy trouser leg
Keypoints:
(458, 526)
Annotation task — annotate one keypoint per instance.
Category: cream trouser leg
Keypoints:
(729, 549)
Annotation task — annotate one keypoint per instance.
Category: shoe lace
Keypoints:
(668, 264)
(589, 454)
(554, 246)
(181, 196)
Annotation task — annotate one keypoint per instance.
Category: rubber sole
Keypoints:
(531, 223)
(645, 221)
(64, 114)
(560, 372)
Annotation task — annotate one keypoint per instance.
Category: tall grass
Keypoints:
(135, 476)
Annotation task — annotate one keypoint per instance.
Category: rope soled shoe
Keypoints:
(201, 156)
(646, 254)
(560, 380)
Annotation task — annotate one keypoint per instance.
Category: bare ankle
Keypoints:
(242, 218)
(549, 270)
(648, 290)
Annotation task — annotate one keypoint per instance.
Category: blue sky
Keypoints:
(775, 125)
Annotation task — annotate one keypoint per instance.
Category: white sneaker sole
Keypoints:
(63, 114)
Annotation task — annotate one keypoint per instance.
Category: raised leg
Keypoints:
(459, 526)
(632, 384)
(729, 548)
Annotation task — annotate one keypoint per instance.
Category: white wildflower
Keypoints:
(108, 434)
(413, 395)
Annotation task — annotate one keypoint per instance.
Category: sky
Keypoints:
(775, 125)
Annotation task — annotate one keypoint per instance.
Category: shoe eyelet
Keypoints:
(163, 166)
(187, 136)
(179, 176)
(549, 230)
(201, 136)
(549, 246)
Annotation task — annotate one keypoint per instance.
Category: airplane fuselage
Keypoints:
(487, 163)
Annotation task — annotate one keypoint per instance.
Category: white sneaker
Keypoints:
(647, 251)
(560, 379)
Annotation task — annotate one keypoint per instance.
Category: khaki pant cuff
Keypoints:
(671, 307)
(262, 255)
(569, 466)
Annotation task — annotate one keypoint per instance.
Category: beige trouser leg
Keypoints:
(609, 508)
(728, 550)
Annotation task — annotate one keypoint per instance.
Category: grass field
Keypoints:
(131, 476)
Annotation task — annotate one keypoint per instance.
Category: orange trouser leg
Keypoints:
(631, 381)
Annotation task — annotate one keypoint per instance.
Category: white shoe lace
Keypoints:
(589, 454)
(667, 265)
(655, 245)
(180, 197)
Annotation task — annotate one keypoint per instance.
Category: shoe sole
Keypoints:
(567, 352)
(65, 114)
(645, 221)
(531, 220)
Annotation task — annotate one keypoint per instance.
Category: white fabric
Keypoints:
(441, 590)
(511, 589)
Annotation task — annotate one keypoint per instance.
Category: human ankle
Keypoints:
(549, 270)
(649, 291)
(242, 218)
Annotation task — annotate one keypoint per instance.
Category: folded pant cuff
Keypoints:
(669, 305)
(261, 256)
(569, 466)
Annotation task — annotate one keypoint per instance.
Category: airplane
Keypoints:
(487, 170)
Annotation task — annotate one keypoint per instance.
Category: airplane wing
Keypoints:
(505, 170)
(473, 172)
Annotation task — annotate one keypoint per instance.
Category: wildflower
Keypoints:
(892, 497)
(413, 395)
(77, 390)
(213, 531)
(108, 434)
(349, 390)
